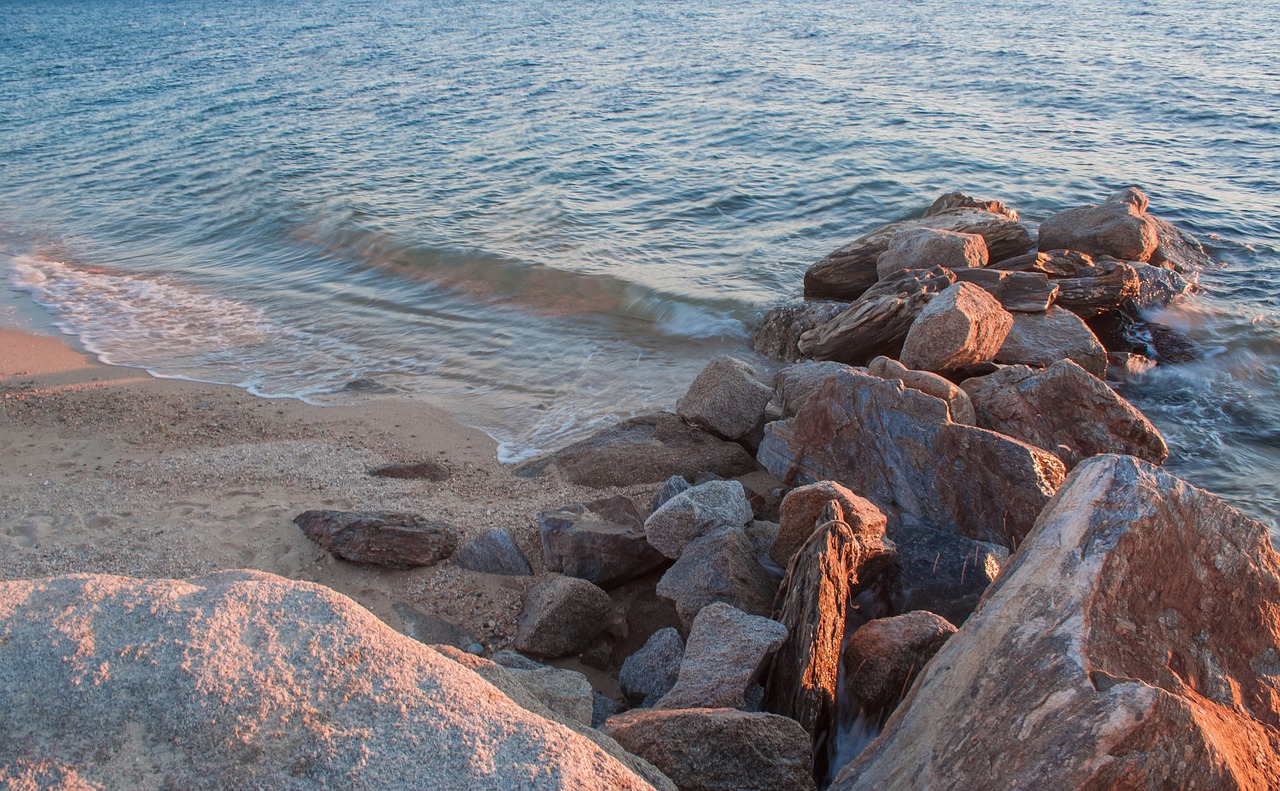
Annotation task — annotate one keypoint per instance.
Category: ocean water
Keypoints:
(547, 215)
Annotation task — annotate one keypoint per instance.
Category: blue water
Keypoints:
(542, 215)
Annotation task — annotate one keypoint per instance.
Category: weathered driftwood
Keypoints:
(1024, 292)
(1099, 289)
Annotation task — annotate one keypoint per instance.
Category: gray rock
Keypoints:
(566, 692)
(726, 398)
(922, 248)
(726, 654)
(695, 512)
(514, 660)
(930, 383)
(560, 616)
(673, 486)
(429, 630)
(651, 672)
(1041, 339)
(944, 573)
(396, 540)
(602, 542)
(493, 552)
(882, 658)
(719, 566)
(794, 384)
(961, 326)
(1118, 227)
(778, 335)
(602, 708)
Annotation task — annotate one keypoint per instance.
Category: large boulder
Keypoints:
(793, 384)
(566, 692)
(1017, 292)
(1118, 227)
(493, 551)
(898, 448)
(1065, 410)
(961, 326)
(923, 248)
(602, 541)
(1106, 287)
(726, 398)
(943, 573)
(651, 672)
(720, 566)
(927, 382)
(803, 506)
(560, 616)
(1176, 249)
(778, 335)
(397, 540)
(1133, 643)
(725, 655)
(697, 511)
(884, 656)
(1041, 339)
(718, 749)
(246, 680)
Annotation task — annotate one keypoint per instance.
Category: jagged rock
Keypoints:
(1107, 287)
(651, 672)
(1133, 642)
(1041, 339)
(1051, 263)
(726, 398)
(898, 448)
(944, 573)
(396, 540)
(673, 486)
(725, 655)
(429, 630)
(1022, 292)
(645, 449)
(719, 566)
(718, 749)
(242, 679)
(560, 616)
(493, 552)
(802, 507)
(883, 657)
(849, 271)
(1176, 249)
(794, 384)
(602, 708)
(1118, 227)
(426, 470)
(602, 541)
(1157, 287)
(1064, 410)
(778, 335)
(695, 512)
(566, 692)
(959, 200)
(924, 248)
(961, 326)
(930, 383)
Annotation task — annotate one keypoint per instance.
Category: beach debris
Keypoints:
(493, 551)
(392, 539)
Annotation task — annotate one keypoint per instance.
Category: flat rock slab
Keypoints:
(397, 540)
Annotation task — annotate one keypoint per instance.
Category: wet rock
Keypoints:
(726, 398)
(1107, 287)
(794, 384)
(426, 470)
(882, 658)
(778, 335)
(1023, 292)
(493, 552)
(959, 200)
(1118, 227)
(719, 566)
(566, 692)
(651, 672)
(1131, 643)
(725, 656)
(898, 448)
(602, 541)
(1041, 339)
(673, 486)
(560, 616)
(1128, 366)
(927, 382)
(645, 449)
(943, 573)
(695, 512)
(396, 540)
(963, 325)
(923, 248)
(718, 749)
(1157, 287)
(803, 506)
(1064, 410)
(1176, 249)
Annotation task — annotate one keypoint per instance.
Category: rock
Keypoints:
(1051, 263)
(794, 384)
(560, 616)
(1127, 366)
(1118, 227)
(924, 248)
(1157, 287)
(397, 540)
(429, 630)
(882, 658)
(1022, 292)
(719, 566)
(566, 692)
(602, 708)
(695, 512)
(898, 448)
(242, 679)
(930, 383)
(645, 449)
(726, 399)
(959, 200)
(718, 749)
(651, 672)
(1176, 249)
(849, 271)
(778, 335)
(878, 321)
(1131, 643)
(802, 507)
(725, 655)
(1064, 410)
(602, 541)
(1041, 339)
(961, 326)
(514, 660)
(674, 485)
(1107, 287)
(426, 470)
(493, 552)
(762, 535)
(943, 573)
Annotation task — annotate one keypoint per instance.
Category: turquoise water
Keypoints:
(546, 215)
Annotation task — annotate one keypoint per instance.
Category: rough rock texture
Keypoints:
(426, 470)
(246, 680)
(1024, 292)
(1041, 339)
(695, 512)
(397, 540)
(1132, 643)
(651, 672)
(602, 541)
(493, 552)
(673, 486)
(961, 326)
(719, 566)
(645, 449)
(602, 708)
(778, 335)
(803, 506)
(1118, 227)
(566, 692)
(1104, 288)
(1064, 410)
(1158, 287)
(718, 749)
(1176, 249)
(430, 630)
(929, 383)
(725, 655)
(923, 248)
(898, 448)
(793, 385)
(944, 573)
(726, 398)
(559, 617)
(959, 200)
(1052, 263)
(882, 658)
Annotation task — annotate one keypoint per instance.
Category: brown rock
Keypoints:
(1026, 292)
(794, 384)
(803, 505)
(1132, 643)
(882, 658)
(963, 325)
(1176, 249)
(924, 248)
(1118, 227)
(1106, 287)
(725, 656)
(396, 540)
(560, 616)
(778, 335)
(602, 541)
(927, 382)
(959, 200)
(1051, 263)
(726, 399)
(1041, 339)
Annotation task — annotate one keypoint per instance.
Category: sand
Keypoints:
(105, 469)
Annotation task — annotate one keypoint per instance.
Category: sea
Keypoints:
(545, 216)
